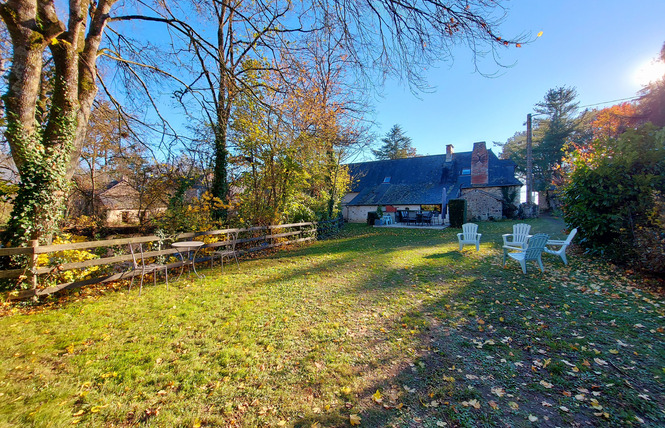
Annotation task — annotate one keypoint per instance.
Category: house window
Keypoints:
(386, 180)
(466, 171)
(125, 216)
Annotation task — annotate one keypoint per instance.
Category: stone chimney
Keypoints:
(449, 152)
(479, 164)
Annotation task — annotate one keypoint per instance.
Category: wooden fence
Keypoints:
(249, 240)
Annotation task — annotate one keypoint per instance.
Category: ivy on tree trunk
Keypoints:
(45, 153)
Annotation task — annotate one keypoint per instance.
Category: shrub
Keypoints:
(508, 207)
(457, 212)
(616, 201)
(371, 218)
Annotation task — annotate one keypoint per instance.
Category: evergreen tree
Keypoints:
(396, 145)
(556, 126)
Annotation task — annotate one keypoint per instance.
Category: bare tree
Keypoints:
(375, 38)
(379, 38)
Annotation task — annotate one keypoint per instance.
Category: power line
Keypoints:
(596, 104)
(613, 101)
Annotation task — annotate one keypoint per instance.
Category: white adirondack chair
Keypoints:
(518, 238)
(533, 251)
(561, 252)
(469, 235)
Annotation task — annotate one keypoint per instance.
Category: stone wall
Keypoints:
(358, 214)
(483, 203)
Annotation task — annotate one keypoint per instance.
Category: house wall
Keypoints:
(483, 203)
(116, 217)
(358, 214)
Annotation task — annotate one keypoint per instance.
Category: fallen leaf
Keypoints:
(474, 403)
(377, 397)
(564, 408)
(499, 392)
(493, 404)
(595, 404)
(533, 418)
(513, 405)
(354, 419)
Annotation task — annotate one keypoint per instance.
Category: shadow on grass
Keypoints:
(399, 312)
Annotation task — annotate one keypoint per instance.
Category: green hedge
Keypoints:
(371, 218)
(457, 212)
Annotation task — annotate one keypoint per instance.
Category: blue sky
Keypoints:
(592, 45)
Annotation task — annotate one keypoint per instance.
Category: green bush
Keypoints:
(371, 218)
(457, 212)
(614, 201)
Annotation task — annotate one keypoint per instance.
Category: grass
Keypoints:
(395, 326)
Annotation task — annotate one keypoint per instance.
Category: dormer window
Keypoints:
(386, 180)
(466, 171)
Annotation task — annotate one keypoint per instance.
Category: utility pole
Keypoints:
(529, 161)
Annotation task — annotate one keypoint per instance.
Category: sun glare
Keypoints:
(650, 72)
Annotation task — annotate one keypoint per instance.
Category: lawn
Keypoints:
(380, 327)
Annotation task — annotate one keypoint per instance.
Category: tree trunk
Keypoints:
(45, 156)
(220, 183)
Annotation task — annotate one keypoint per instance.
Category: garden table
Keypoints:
(188, 248)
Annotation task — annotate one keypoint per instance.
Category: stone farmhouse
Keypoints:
(120, 205)
(422, 182)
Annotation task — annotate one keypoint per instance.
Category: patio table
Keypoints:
(187, 248)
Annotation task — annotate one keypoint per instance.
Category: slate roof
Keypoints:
(120, 195)
(422, 180)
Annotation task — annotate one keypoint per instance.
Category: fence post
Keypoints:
(32, 262)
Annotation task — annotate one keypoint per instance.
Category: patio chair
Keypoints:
(409, 217)
(426, 218)
(139, 265)
(469, 235)
(532, 251)
(562, 244)
(518, 238)
(228, 251)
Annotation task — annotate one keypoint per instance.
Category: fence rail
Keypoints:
(249, 240)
